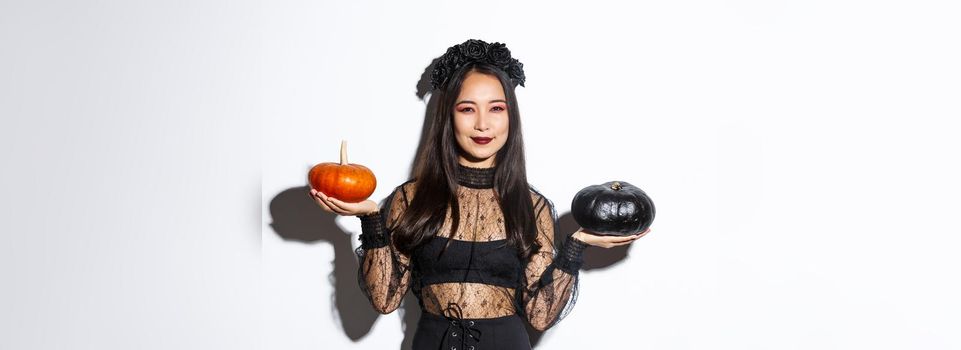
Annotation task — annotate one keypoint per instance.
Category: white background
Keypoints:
(803, 157)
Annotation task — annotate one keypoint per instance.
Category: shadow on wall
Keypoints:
(297, 218)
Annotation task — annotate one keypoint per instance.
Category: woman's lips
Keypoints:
(481, 140)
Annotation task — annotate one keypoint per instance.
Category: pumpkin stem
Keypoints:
(343, 152)
(616, 186)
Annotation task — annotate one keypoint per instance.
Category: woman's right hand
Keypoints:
(340, 207)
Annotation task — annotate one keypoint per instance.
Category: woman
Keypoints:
(482, 270)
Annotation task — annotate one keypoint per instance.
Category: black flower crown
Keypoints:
(474, 50)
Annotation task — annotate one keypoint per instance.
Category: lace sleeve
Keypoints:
(550, 281)
(383, 273)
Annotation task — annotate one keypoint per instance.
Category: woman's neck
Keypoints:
(483, 163)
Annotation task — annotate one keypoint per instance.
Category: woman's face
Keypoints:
(480, 120)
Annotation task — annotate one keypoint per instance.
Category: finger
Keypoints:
(327, 201)
(623, 243)
(613, 240)
(313, 192)
(620, 239)
(322, 204)
(336, 203)
(333, 207)
(608, 244)
(640, 234)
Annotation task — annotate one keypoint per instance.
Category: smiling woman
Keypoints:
(481, 120)
(485, 263)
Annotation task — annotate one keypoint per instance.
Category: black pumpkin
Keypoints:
(614, 208)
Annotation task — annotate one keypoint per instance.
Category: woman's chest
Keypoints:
(489, 262)
(479, 218)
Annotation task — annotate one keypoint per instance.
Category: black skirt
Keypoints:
(449, 333)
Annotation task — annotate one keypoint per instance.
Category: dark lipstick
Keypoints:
(481, 140)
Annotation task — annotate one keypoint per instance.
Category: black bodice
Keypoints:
(492, 262)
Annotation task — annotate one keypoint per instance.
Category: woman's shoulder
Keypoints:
(408, 185)
(538, 197)
(400, 194)
(406, 188)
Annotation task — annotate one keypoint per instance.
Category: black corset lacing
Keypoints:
(459, 329)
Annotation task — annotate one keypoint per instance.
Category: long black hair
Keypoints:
(436, 173)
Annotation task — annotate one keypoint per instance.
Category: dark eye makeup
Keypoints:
(469, 109)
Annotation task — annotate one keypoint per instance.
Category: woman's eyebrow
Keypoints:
(469, 101)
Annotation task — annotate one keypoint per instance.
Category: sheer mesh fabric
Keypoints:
(481, 276)
(384, 273)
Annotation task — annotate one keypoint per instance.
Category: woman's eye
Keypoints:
(498, 108)
(466, 109)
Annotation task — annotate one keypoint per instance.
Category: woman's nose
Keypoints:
(481, 122)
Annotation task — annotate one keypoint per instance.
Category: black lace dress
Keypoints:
(478, 293)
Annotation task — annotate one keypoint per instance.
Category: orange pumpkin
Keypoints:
(350, 183)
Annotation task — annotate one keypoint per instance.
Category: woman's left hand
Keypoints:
(607, 241)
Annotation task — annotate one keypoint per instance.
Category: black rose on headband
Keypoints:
(473, 50)
(516, 69)
(452, 58)
(439, 75)
(498, 54)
